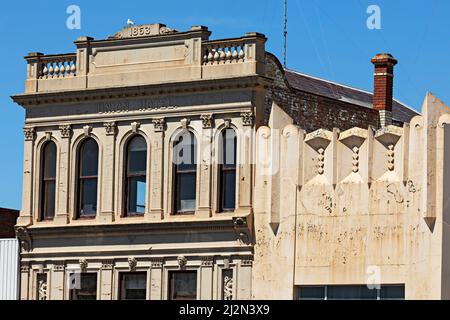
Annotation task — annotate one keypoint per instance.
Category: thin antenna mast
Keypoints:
(285, 34)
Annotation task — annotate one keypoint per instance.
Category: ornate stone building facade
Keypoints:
(130, 192)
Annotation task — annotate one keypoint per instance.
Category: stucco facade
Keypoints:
(340, 201)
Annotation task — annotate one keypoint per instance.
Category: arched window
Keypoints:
(227, 170)
(48, 181)
(87, 179)
(185, 173)
(136, 176)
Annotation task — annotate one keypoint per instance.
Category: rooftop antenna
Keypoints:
(285, 34)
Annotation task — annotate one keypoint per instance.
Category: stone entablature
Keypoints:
(158, 53)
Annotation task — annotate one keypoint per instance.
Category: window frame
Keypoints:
(122, 276)
(127, 176)
(90, 274)
(177, 173)
(171, 286)
(81, 178)
(223, 170)
(43, 199)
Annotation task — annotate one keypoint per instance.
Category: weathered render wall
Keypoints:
(332, 207)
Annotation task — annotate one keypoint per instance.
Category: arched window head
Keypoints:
(185, 172)
(87, 179)
(136, 176)
(48, 181)
(227, 170)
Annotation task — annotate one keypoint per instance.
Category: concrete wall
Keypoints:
(341, 207)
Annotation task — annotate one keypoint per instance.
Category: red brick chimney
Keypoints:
(383, 86)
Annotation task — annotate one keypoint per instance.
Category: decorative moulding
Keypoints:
(87, 131)
(66, 131)
(135, 126)
(389, 135)
(110, 128)
(159, 124)
(207, 120)
(319, 139)
(353, 137)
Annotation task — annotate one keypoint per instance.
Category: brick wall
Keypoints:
(312, 112)
(8, 219)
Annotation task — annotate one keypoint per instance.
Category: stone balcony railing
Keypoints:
(140, 60)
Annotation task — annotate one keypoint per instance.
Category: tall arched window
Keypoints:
(87, 179)
(185, 173)
(48, 181)
(227, 171)
(136, 176)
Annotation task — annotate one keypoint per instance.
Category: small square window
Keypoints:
(133, 286)
(183, 285)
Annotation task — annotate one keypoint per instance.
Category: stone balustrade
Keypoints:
(57, 66)
(222, 52)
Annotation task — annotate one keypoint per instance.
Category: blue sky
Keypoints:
(327, 38)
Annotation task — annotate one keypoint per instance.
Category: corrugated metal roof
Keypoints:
(9, 269)
(329, 89)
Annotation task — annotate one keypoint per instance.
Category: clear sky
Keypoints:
(327, 38)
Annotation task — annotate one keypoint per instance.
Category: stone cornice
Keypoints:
(90, 95)
(225, 224)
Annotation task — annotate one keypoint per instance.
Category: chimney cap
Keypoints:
(384, 58)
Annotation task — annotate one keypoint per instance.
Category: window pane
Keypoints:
(395, 292)
(185, 152)
(351, 293)
(186, 191)
(50, 161)
(134, 286)
(87, 288)
(137, 155)
(49, 200)
(89, 158)
(311, 293)
(229, 148)
(88, 197)
(183, 285)
(137, 190)
(229, 190)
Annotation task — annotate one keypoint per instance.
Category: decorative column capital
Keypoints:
(159, 124)
(107, 264)
(207, 261)
(247, 118)
(58, 266)
(30, 133)
(25, 267)
(157, 262)
(207, 120)
(66, 131)
(110, 128)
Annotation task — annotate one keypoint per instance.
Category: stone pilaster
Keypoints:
(205, 167)
(62, 211)
(156, 278)
(206, 281)
(107, 173)
(155, 188)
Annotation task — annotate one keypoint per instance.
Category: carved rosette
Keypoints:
(30, 133)
(390, 157)
(321, 161)
(207, 120)
(159, 124)
(247, 118)
(66, 131)
(110, 128)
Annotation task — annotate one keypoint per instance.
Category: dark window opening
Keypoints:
(136, 176)
(87, 179)
(85, 288)
(133, 286)
(185, 173)
(351, 292)
(183, 285)
(48, 181)
(227, 171)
